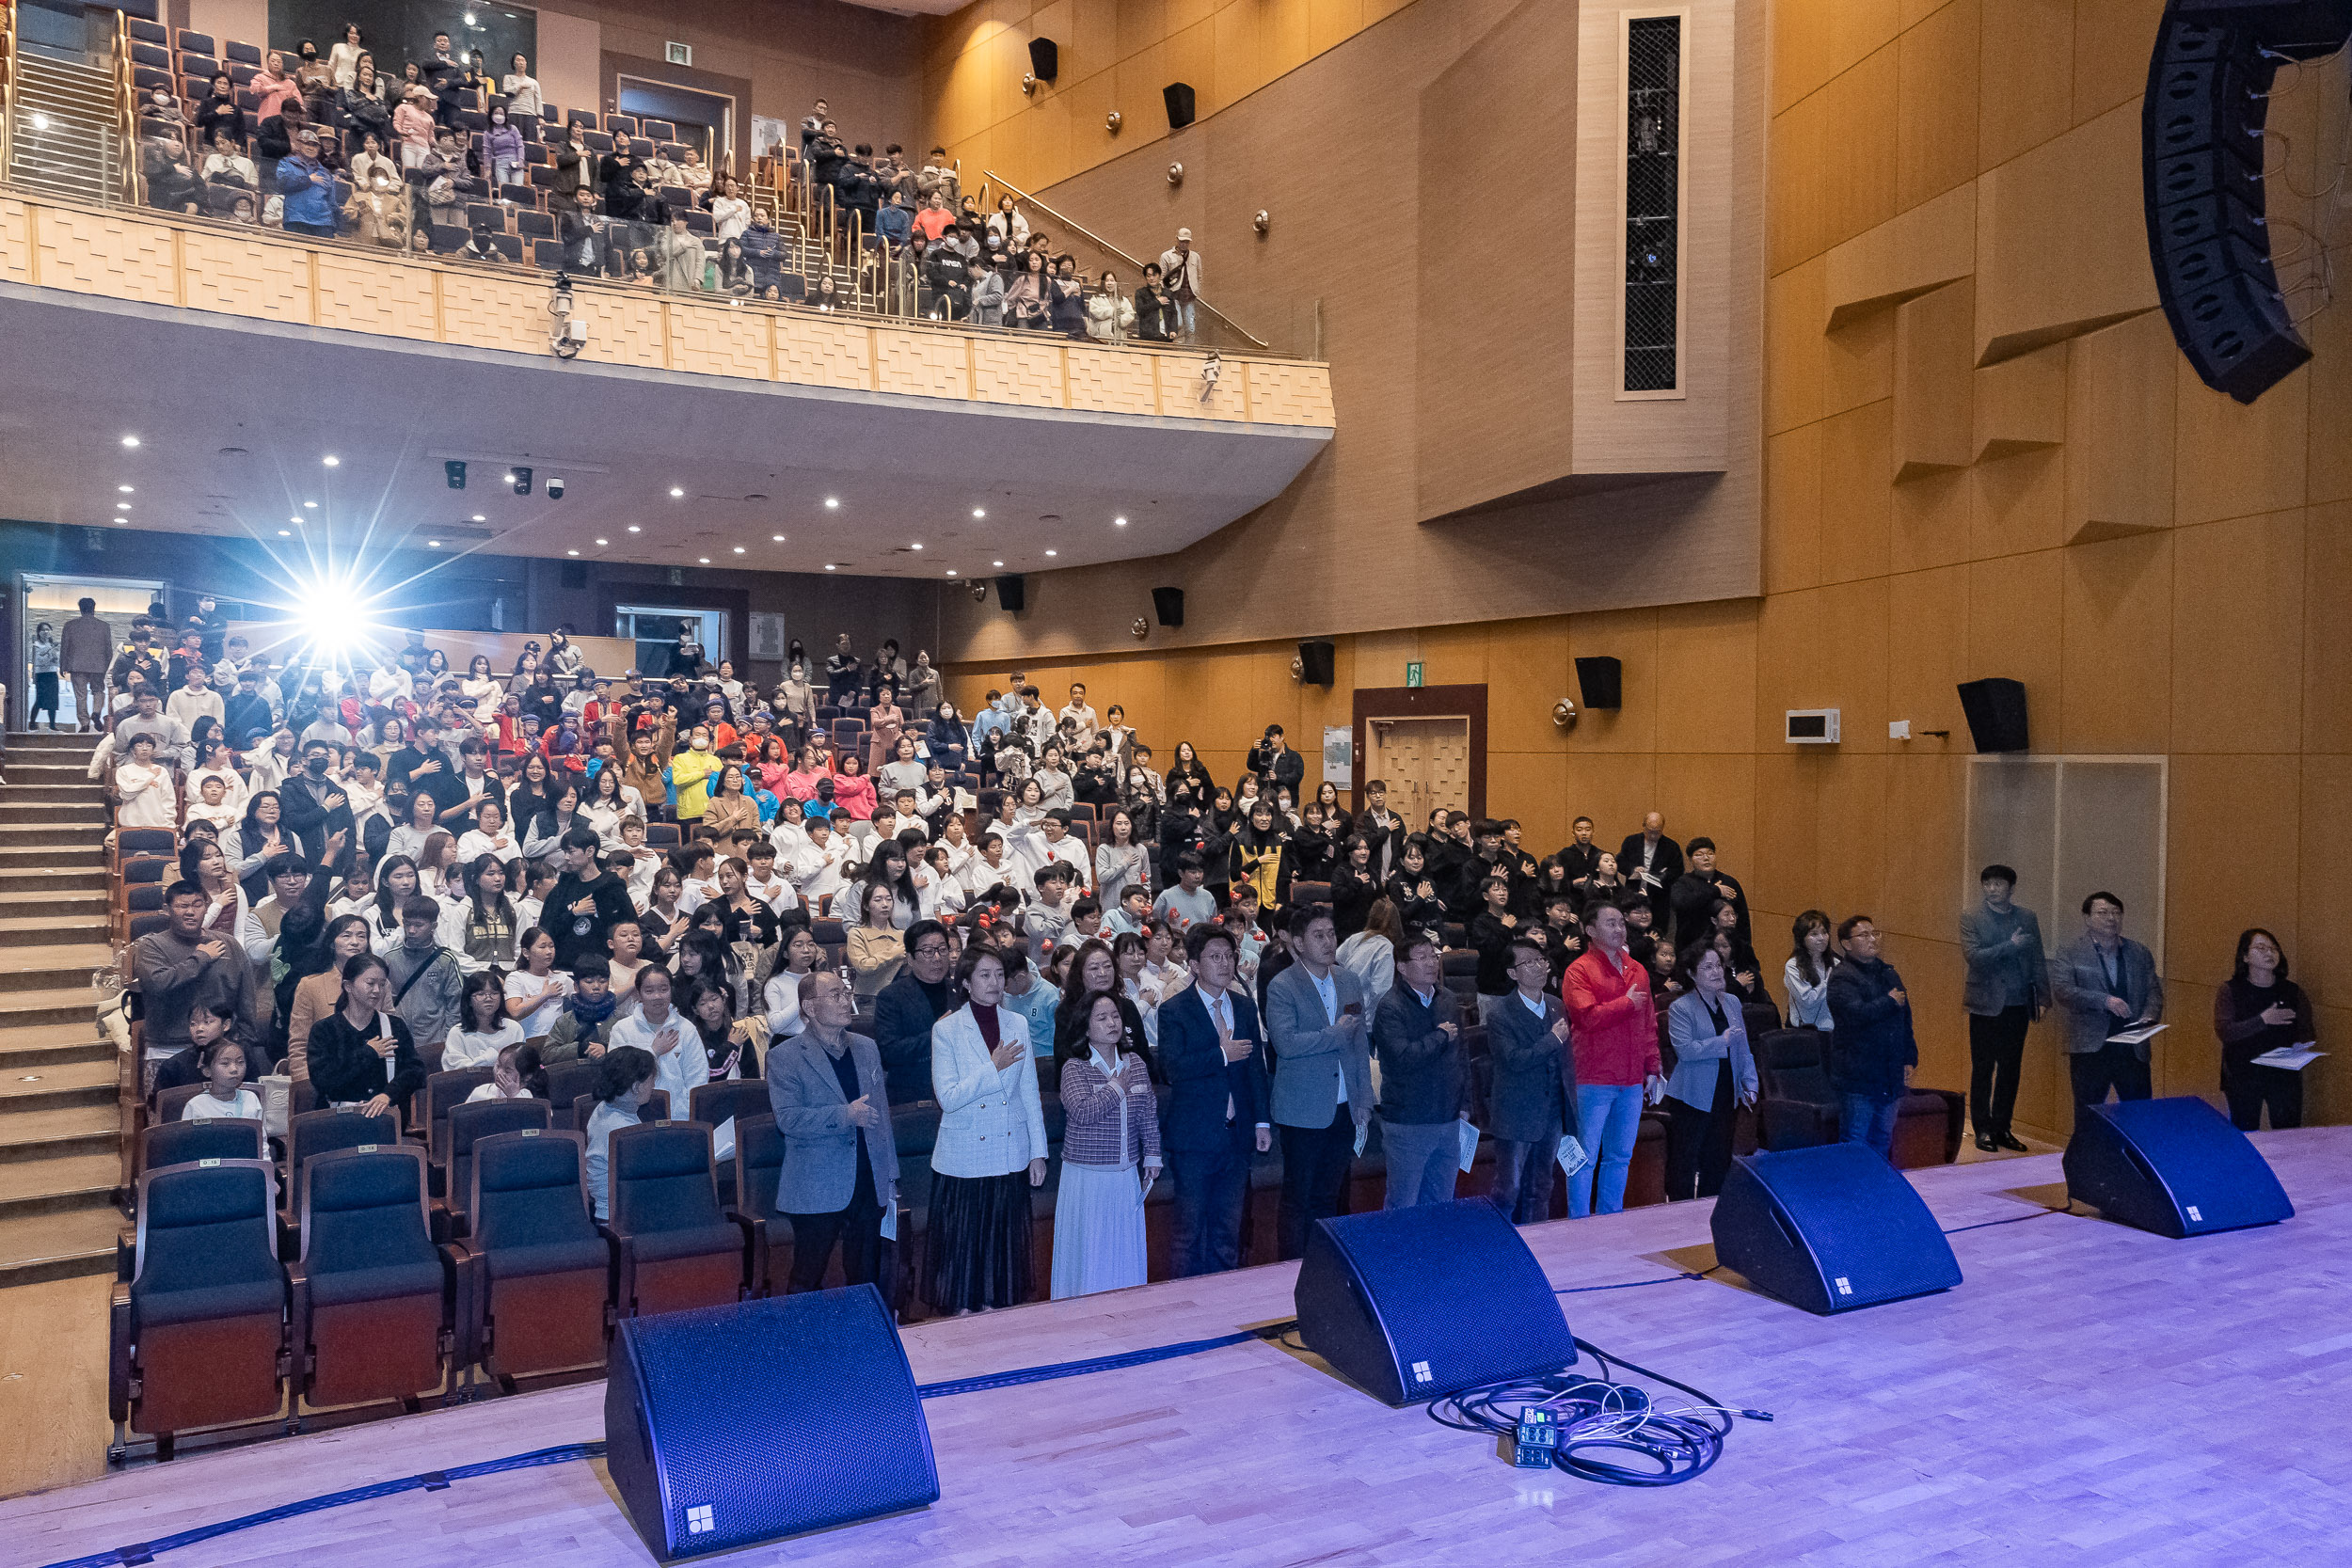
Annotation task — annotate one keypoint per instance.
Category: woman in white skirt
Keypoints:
(1110, 1156)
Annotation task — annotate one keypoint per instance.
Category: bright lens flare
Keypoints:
(332, 615)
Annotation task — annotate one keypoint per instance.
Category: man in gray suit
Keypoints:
(2107, 984)
(1316, 1022)
(2007, 990)
(1532, 1100)
(840, 1164)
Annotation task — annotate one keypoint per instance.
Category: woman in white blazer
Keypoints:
(990, 1149)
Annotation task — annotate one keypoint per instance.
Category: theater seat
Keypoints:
(1928, 1127)
(758, 1161)
(673, 1247)
(443, 1090)
(197, 1334)
(729, 1100)
(373, 1296)
(535, 1277)
(1795, 1106)
(566, 1082)
(311, 1133)
(469, 1124)
(183, 1142)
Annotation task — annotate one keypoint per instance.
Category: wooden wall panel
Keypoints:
(368, 296)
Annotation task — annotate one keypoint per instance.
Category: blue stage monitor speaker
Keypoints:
(2173, 1167)
(1830, 1229)
(726, 1426)
(1417, 1304)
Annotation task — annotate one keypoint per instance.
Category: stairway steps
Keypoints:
(57, 1085)
(26, 813)
(59, 878)
(26, 1010)
(32, 1048)
(51, 857)
(48, 930)
(41, 835)
(68, 1181)
(13, 793)
(36, 1248)
(79, 904)
(58, 1131)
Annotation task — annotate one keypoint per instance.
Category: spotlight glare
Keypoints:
(332, 461)
(130, 440)
(979, 512)
(332, 614)
(677, 492)
(1120, 521)
(832, 504)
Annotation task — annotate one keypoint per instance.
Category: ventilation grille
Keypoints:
(1653, 183)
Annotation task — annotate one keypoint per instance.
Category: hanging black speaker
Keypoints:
(1013, 593)
(1315, 663)
(1168, 604)
(1180, 106)
(1600, 680)
(2202, 126)
(1996, 711)
(1044, 58)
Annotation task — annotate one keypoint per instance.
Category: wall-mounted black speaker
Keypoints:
(1180, 107)
(1044, 58)
(1315, 663)
(1996, 711)
(572, 573)
(726, 1426)
(2200, 176)
(1600, 681)
(1416, 1304)
(2173, 1167)
(1167, 604)
(1830, 1229)
(1013, 593)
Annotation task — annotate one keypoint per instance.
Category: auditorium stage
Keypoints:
(2090, 1394)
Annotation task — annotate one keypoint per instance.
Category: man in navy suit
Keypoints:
(1214, 1053)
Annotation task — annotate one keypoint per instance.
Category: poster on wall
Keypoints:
(1339, 756)
(768, 639)
(769, 137)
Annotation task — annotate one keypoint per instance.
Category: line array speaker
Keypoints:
(2201, 127)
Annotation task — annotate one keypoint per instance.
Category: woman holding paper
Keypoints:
(2259, 1011)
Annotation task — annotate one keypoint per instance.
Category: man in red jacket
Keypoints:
(1613, 1033)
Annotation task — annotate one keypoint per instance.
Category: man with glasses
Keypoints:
(1871, 1050)
(1531, 1101)
(907, 1008)
(2108, 986)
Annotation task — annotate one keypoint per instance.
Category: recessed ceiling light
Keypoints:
(433, 544)
(739, 549)
(510, 477)
(704, 559)
(480, 518)
(310, 506)
(951, 571)
(979, 512)
(777, 537)
(1120, 521)
(832, 504)
(285, 534)
(122, 522)
(634, 528)
(829, 566)
(915, 546)
(124, 488)
(130, 440)
(571, 552)
(602, 542)
(330, 459)
(297, 521)
(1053, 552)
(123, 506)
(996, 563)
(676, 492)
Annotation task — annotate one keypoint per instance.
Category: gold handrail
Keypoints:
(1072, 224)
(126, 115)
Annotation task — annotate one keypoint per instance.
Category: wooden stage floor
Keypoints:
(2090, 1394)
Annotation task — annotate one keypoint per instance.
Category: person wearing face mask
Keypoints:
(501, 150)
(691, 773)
(315, 808)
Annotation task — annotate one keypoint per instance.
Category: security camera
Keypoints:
(555, 489)
(1211, 369)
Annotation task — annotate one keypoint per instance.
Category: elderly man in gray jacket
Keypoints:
(1321, 1034)
(2106, 984)
(840, 1173)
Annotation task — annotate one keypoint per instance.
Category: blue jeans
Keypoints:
(1609, 1118)
(1186, 317)
(1872, 1121)
(1424, 1159)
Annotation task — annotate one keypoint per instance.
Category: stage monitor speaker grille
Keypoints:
(1180, 107)
(2174, 1167)
(1013, 593)
(727, 1426)
(1996, 711)
(1044, 58)
(1600, 681)
(1168, 604)
(1416, 1304)
(1830, 1229)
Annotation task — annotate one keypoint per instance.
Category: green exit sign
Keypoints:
(1412, 675)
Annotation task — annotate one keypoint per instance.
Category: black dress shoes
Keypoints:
(1986, 1144)
(2010, 1141)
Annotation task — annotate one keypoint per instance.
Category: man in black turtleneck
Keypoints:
(908, 1006)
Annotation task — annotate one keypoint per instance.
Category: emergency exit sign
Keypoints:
(1412, 675)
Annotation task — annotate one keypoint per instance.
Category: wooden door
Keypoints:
(1425, 763)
